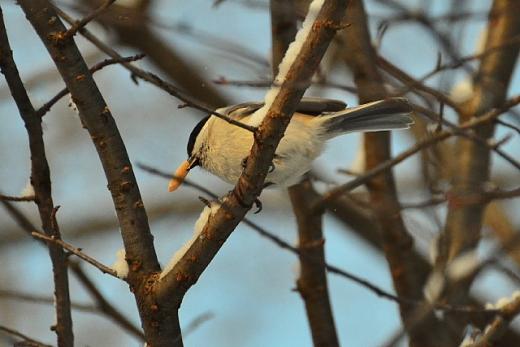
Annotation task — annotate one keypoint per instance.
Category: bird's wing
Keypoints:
(242, 110)
(308, 105)
(316, 106)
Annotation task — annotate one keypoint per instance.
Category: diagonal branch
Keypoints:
(25, 339)
(76, 251)
(420, 145)
(87, 19)
(97, 118)
(47, 106)
(174, 284)
(133, 27)
(103, 304)
(153, 78)
(41, 181)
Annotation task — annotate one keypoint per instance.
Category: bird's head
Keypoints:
(193, 149)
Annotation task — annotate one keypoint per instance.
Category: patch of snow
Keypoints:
(434, 286)
(28, 190)
(358, 165)
(463, 265)
(197, 233)
(462, 90)
(288, 60)
(503, 302)
(120, 266)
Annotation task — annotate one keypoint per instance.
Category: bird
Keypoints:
(223, 148)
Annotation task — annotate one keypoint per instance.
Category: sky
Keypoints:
(248, 290)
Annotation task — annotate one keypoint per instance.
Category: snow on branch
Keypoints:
(296, 72)
(288, 60)
(197, 232)
(120, 266)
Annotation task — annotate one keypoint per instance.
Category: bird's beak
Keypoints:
(181, 172)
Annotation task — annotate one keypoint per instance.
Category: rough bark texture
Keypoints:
(41, 181)
(161, 328)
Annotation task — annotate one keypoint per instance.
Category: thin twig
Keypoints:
(435, 138)
(77, 251)
(153, 78)
(17, 198)
(47, 106)
(24, 337)
(46, 300)
(103, 305)
(78, 25)
(330, 268)
(41, 181)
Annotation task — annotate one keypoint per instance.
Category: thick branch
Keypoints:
(235, 205)
(96, 117)
(312, 282)
(464, 223)
(407, 278)
(41, 181)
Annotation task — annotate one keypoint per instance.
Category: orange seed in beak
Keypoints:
(178, 176)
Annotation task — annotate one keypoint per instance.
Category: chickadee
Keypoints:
(222, 148)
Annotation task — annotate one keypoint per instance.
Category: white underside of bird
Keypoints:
(221, 147)
(291, 160)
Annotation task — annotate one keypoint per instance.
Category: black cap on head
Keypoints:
(194, 133)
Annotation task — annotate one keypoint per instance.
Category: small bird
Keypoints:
(222, 148)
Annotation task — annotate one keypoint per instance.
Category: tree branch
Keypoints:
(76, 251)
(153, 78)
(103, 304)
(171, 289)
(312, 282)
(85, 20)
(463, 224)
(132, 27)
(420, 145)
(41, 181)
(397, 242)
(499, 326)
(24, 337)
(96, 117)
(47, 106)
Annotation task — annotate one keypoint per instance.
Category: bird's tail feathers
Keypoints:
(388, 114)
